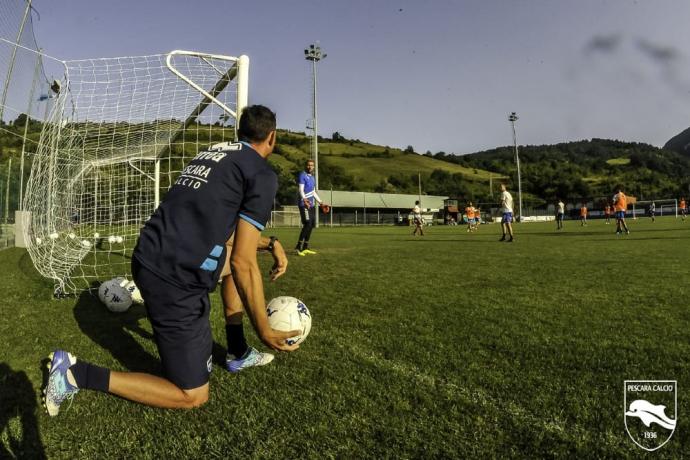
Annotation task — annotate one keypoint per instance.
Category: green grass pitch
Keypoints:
(451, 345)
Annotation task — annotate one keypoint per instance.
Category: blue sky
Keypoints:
(434, 74)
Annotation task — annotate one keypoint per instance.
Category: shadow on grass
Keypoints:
(26, 267)
(19, 434)
(637, 238)
(574, 232)
(116, 332)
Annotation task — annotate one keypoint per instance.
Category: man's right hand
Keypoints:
(276, 339)
(307, 203)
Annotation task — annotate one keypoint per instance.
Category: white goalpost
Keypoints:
(285, 219)
(666, 207)
(119, 134)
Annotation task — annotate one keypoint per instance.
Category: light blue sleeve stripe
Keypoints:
(209, 265)
(252, 221)
(217, 251)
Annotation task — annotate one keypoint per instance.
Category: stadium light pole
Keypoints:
(314, 54)
(513, 118)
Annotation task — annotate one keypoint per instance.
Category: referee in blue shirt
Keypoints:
(179, 259)
(306, 185)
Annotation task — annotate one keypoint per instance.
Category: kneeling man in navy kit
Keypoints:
(181, 254)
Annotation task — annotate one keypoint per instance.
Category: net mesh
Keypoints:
(118, 137)
(23, 88)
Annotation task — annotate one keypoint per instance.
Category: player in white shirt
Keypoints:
(507, 210)
(417, 219)
(560, 213)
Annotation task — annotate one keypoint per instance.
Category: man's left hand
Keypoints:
(280, 261)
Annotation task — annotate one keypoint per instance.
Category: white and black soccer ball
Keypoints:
(114, 294)
(287, 313)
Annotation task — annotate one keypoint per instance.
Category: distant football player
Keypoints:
(652, 211)
(507, 210)
(417, 219)
(683, 209)
(583, 215)
(560, 214)
(620, 205)
(607, 213)
(306, 202)
(469, 212)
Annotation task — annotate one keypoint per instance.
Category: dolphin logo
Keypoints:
(649, 413)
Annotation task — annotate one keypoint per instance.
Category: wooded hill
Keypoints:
(572, 170)
(587, 169)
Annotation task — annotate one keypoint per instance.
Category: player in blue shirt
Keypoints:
(179, 259)
(306, 185)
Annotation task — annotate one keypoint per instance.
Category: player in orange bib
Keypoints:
(620, 205)
(583, 215)
(607, 213)
(469, 212)
(683, 209)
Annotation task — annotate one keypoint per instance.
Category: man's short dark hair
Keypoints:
(256, 123)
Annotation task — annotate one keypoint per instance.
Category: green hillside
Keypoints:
(587, 169)
(346, 164)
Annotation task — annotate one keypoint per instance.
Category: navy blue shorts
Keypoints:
(507, 218)
(620, 214)
(181, 328)
(308, 216)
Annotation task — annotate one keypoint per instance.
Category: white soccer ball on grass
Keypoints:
(115, 295)
(287, 313)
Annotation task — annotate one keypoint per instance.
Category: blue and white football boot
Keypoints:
(58, 388)
(252, 357)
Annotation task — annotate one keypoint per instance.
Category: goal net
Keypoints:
(285, 219)
(667, 207)
(118, 136)
(23, 101)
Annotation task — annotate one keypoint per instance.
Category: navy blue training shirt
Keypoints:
(184, 241)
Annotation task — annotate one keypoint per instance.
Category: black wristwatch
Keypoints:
(271, 243)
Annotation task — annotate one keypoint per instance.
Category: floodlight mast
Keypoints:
(314, 54)
(513, 118)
